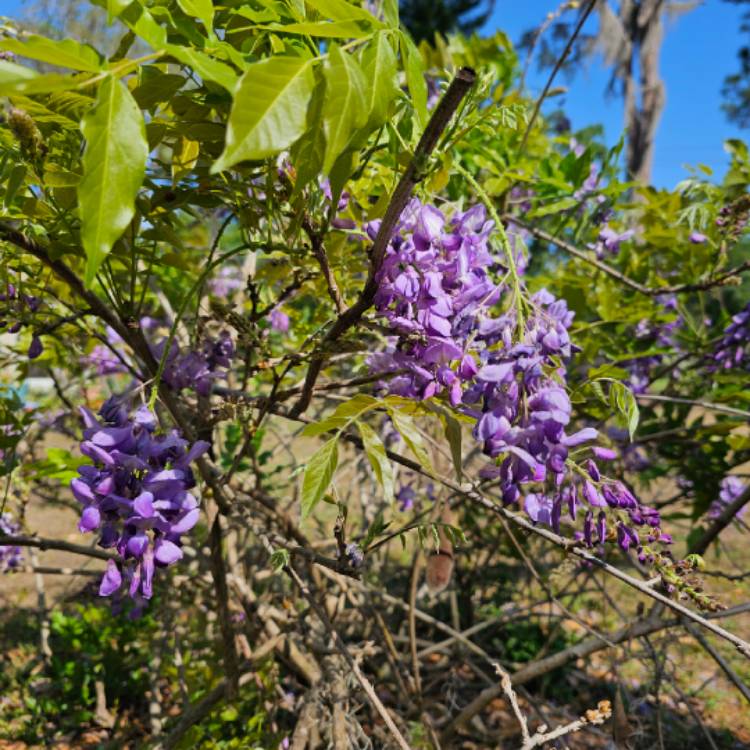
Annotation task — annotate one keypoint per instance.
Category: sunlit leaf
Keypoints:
(114, 163)
(66, 53)
(408, 430)
(318, 475)
(269, 110)
(345, 107)
(376, 455)
(200, 9)
(380, 69)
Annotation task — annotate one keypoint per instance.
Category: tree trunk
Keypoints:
(643, 24)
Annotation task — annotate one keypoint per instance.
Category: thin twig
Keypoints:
(567, 247)
(690, 402)
(43, 544)
(581, 21)
(720, 660)
(338, 642)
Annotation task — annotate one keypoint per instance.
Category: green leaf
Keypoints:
(17, 79)
(344, 109)
(324, 29)
(408, 430)
(626, 404)
(357, 405)
(66, 53)
(318, 474)
(201, 9)
(390, 11)
(206, 67)
(380, 69)
(279, 559)
(138, 20)
(554, 208)
(340, 10)
(12, 74)
(325, 425)
(378, 459)
(114, 163)
(15, 180)
(269, 110)
(308, 152)
(620, 399)
(415, 77)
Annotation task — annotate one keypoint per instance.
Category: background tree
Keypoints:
(736, 89)
(629, 36)
(425, 18)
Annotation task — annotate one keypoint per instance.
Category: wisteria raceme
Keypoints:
(731, 488)
(11, 556)
(657, 334)
(103, 358)
(437, 292)
(734, 347)
(136, 494)
(197, 369)
(14, 310)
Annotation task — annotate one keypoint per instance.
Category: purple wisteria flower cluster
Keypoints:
(103, 358)
(135, 495)
(11, 556)
(733, 350)
(14, 308)
(197, 369)
(503, 367)
(656, 334)
(730, 489)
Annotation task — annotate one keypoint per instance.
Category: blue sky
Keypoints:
(700, 48)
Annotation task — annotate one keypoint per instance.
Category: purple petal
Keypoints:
(111, 581)
(166, 552)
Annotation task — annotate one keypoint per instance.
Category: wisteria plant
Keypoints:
(310, 311)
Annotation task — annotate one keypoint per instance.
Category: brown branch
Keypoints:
(690, 402)
(732, 676)
(724, 519)
(44, 544)
(338, 642)
(459, 87)
(319, 251)
(649, 291)
(219, 573)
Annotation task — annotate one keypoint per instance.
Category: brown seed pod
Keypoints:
(439, 568)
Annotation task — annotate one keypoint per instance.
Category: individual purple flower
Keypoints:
(103, 360)
(278, 320)
(197, 369)
(609, 241)
(227, 280)
(11, 556)
(135, 494)
(696, 238)
(732, 350)
(35, 347)
(406, 496)
(16, 310)
(354, 555)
